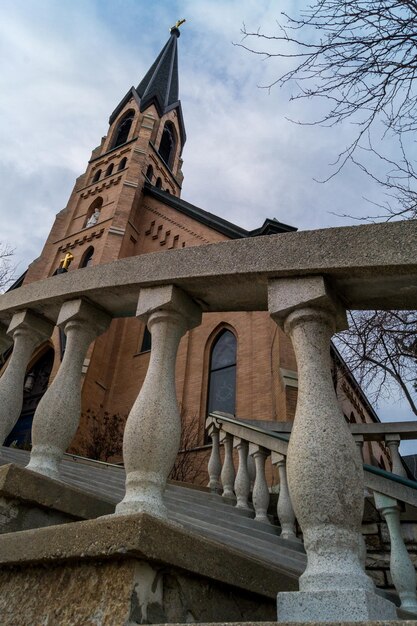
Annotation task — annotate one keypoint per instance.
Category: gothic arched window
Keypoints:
(168, 144)
(36, 383)
(87, 257)
(122, 131)
(158, 183)
(122, 164)
(146, 344)
(109, 170)
(149, 173)
(96, 176)
(222, 374)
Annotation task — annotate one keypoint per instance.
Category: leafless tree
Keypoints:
(6, 267)
(380, 348)
(104, 442)
(359, 58)
(191, 462)
(104, 435)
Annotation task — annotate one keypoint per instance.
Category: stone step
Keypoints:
(250, 530)
(276, 555)
(196, 509)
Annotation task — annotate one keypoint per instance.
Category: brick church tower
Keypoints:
(144, 142)
(128, 203)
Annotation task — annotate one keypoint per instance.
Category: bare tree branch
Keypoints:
(359, 58)
(380, 348)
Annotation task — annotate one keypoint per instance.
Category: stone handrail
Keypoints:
(307, 294)
(375, 478)
(388, 489)
(392, 433)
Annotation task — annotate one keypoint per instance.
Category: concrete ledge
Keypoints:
(371, 266)
(130, 570)
(144, 537)
(22, 490)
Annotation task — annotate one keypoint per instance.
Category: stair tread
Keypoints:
(200, 511)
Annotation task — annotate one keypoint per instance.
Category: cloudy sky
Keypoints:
(65, 66)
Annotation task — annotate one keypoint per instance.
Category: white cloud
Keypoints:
(65, 67)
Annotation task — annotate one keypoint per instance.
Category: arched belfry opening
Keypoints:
(222, 373)
(87, 258)
(35, 385)
(168, 144)
(121, 134)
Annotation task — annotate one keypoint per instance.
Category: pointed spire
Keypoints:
(160, 84)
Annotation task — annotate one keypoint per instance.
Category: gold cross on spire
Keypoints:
(177, 24)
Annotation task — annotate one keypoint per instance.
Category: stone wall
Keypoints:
(113, 593)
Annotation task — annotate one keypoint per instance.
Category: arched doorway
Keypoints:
(36, 383)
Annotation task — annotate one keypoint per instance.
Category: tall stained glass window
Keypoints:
(222, 374)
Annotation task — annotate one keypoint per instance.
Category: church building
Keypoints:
(127, 203)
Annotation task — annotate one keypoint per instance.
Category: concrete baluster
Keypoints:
(251, 470)
(393, 442)
(153, 428)
(228, 470)
(28, 331)
(242, 482)
(260, 495)
(359, 440)
(5, 340)
(325, 473)
(285, 511)
(401, 567)
(58, 413)
(215, 463)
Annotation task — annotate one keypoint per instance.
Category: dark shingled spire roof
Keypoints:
(160, 84)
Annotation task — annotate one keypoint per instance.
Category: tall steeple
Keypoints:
(160, 84)
(142, 147)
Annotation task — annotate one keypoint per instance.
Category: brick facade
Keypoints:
(133, 222)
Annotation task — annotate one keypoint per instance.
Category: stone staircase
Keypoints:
(196, 509)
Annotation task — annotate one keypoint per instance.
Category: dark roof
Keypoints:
(17, 283)
(270, 227)
(411, 462)
(160, 85)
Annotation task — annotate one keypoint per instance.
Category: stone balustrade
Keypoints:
(305, 294)
(252, 441)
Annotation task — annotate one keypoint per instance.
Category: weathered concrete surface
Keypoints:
(58, 413)
(371, 266)
(120, 593)
(28, 331)
(129, 569)
(356, 605)
(152, 433)
(29, 500)
(143, 537)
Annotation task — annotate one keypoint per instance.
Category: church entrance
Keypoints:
(36, 383)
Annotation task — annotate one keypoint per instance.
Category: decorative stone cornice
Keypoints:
(105, 184)
(96, 234)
